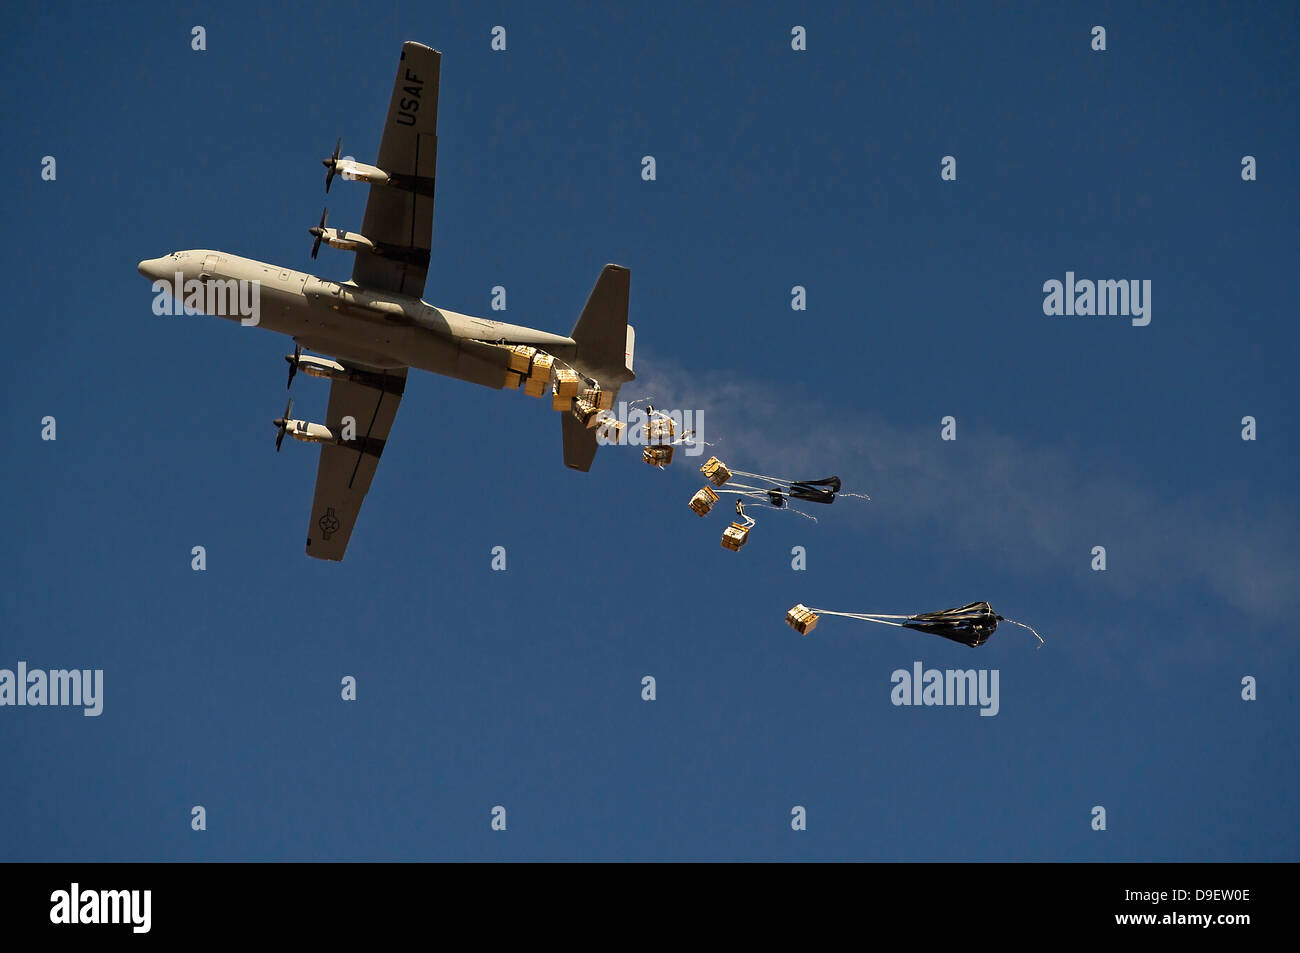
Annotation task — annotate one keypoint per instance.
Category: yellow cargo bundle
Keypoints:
(802, 619)
(610, 431)
(660, 430)
(586, 413)
(559, 402)
(521, 358)
(566, 382)
(734, 536)
(703, 501)
(514, 380)
(534, 387)
(541, 369)
(600, 399)
(657, 456)
(716, 471)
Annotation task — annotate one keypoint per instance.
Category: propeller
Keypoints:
(293, 363)
(283, 424)
(318, 231)
(332, 163)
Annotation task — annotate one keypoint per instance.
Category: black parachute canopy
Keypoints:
(970, 624)
(815, 491)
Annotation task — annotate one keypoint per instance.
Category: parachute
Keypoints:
(971, 624)
(777, 493)
(777, 490)
(661, 438)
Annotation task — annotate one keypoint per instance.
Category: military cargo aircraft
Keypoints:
(376, 326)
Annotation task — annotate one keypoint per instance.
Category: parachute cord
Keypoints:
(687, 437)
(759, 476)
(751, 494)
(743, 489)
(760, 495)
(1041, 643)
(864, 617)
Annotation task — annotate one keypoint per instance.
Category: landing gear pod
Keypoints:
(658, 456)
(802, 619)
(735, 536)
(703, 501)
(716, 471)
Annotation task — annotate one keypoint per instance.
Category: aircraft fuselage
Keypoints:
(376, 328)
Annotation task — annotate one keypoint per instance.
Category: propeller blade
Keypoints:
(319, 232)
(293, 363)
(332, 163)
(283, 424)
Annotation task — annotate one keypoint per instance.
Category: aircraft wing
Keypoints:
(399, 214)
(343, 476)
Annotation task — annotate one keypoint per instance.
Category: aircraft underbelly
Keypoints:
(381, 343)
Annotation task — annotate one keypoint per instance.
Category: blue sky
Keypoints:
(523, 688)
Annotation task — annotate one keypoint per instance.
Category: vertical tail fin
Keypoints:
(605, 342)
(602, 333)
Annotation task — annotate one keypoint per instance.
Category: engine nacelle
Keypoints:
(308, 432)
(355, 171)
(319, 366)
(345, 240)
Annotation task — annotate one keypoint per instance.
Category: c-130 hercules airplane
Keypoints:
(376, 326)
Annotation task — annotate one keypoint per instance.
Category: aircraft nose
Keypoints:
(151, 268)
